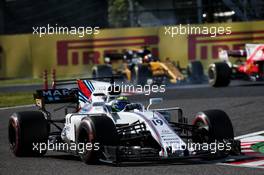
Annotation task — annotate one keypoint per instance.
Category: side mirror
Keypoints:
(154, 101)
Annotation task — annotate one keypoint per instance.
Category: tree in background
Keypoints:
(118, 13)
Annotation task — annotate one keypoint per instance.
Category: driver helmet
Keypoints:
(119, 103)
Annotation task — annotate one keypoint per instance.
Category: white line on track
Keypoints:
(240, 165)
(15, 107)
(248, 135)
(255, 163)
(246, 141)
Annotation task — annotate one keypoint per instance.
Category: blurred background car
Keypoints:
(138, 66)
(249, 65)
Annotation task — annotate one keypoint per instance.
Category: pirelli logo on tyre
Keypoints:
(205, 47)
(89, 51)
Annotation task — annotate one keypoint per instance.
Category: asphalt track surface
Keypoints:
(244, 104)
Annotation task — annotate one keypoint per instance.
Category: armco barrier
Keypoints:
(29, 55)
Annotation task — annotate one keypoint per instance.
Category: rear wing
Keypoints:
(224, 54)
(252, 51)
(49, 96)
(68, 93)
(109, 79)
(111, 57)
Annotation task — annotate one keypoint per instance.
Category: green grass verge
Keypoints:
(15, 99)
(30, 81)
(20, 82)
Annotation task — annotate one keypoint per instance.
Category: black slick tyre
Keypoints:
(26, 129)
(102, 71)
(219, 74)
(217, 125)
(99, 131)
(140, 74)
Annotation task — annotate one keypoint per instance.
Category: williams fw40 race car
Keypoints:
(252, 69)
(105, 127)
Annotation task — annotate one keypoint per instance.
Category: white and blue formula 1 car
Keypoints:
(115, 129)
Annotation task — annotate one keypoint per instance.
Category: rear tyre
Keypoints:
(102, 71)
(140, 74)
(195, 72)
(98, 131)
(219, 74)
(25, 129)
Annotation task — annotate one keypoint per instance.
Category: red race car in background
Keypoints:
(251, 69)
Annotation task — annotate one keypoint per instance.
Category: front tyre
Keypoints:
(215, 127)
(98, 131)
(216, 124)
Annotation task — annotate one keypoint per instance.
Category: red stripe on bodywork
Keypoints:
(84, 89)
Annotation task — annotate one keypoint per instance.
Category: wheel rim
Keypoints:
(203, 132)
(94, 74)
(12, 131)
(84, 137)
(211, 74)
(134, 76)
